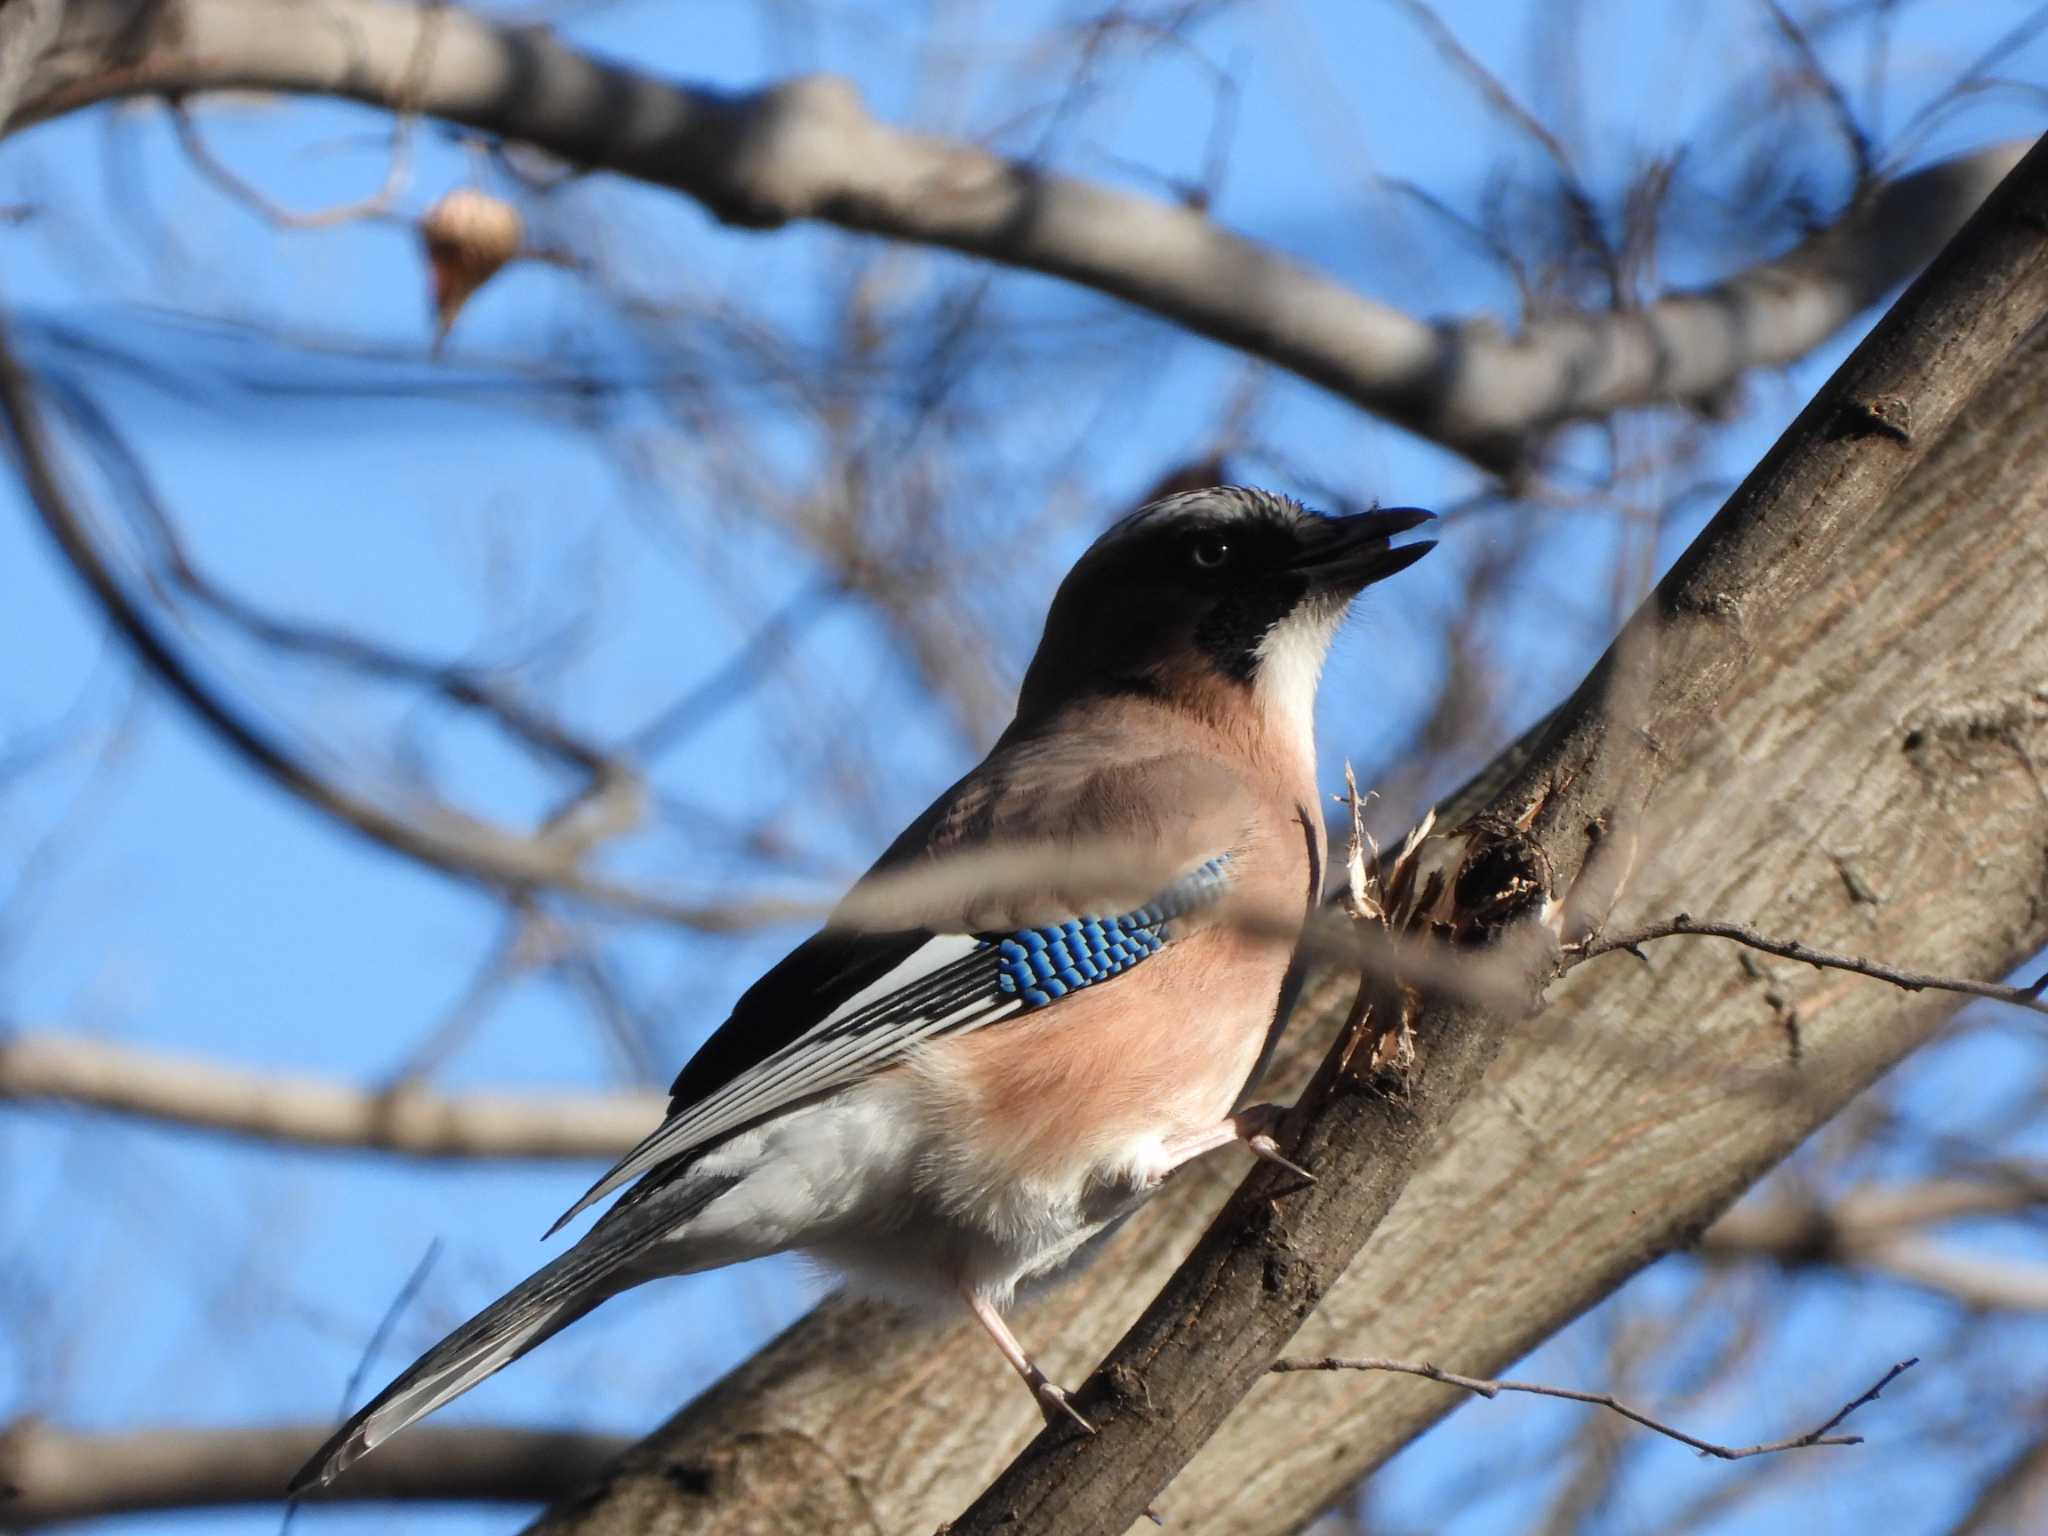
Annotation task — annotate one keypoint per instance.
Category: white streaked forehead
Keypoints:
(1211, 504)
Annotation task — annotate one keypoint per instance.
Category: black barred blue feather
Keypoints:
(1042, 964)
(892, 992)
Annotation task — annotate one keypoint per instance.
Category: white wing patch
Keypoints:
(937, 988)
(950, 982)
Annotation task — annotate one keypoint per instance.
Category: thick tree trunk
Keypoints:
(1878, 725)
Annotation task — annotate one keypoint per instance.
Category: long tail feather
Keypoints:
(536, 1309)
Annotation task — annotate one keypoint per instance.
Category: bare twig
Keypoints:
(396, 175)
(231, 181)
(411, 1119)
(1999, 1189)
(1684, 924)
(744, 670)
(442, 836)
(170, 564)
(1493, 1387)
(407, 1293)
(25, 31)
(1585, 215)
(1824, 85)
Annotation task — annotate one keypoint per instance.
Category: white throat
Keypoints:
(1290, 664)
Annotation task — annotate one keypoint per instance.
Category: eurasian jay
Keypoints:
(1056, 986)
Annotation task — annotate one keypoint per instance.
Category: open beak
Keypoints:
(1348, 554)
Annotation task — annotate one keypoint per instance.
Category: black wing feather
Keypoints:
(804, 986)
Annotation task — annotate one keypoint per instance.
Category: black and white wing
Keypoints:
(845, 1004)
(929, 985)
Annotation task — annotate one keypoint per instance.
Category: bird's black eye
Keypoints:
(1209, 551)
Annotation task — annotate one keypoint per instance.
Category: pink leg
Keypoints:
(1253, 1127)
(1052, 1400)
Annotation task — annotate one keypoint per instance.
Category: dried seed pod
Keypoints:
(469, 235)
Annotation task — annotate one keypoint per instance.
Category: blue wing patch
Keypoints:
(947, 984)
(1041, 965)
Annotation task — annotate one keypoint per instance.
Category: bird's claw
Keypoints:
(1266, 1149)
(1053, 1403)
(1255, 1127)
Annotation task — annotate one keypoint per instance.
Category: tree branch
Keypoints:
(405, 1118)
(1875, 1231)
(1274, 1252)
(1491, 1388)
(1862, 591)
(27, 28)
(49, 1476)
(2028, 997)
(808, 149)
(1883, 1209)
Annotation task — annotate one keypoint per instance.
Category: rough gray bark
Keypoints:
(1850, 673)
(808, 149)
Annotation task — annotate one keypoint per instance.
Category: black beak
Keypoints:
(1348, 554)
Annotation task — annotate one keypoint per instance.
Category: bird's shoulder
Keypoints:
(1091, 805)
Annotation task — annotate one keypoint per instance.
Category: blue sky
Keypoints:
(277, 387)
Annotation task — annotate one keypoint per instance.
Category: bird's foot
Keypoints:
(1253, 1126)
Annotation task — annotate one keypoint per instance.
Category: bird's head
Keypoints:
(1215, 598)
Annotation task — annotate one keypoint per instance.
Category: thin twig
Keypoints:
(440, 836)
(1830, 92)
(379, 203)
(744, 669)
(396, 176)
(1586, 223)
(1490, 1388)
(1685, 924)
(379, 1336)
(171, 564)
(816, 152)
